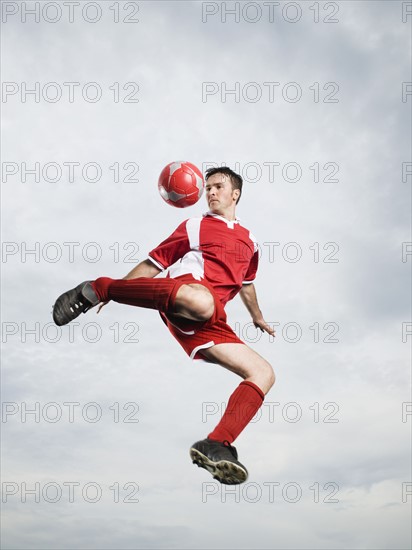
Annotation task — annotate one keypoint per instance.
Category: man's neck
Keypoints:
(229, 215)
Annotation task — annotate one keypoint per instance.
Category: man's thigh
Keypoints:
(238, 358)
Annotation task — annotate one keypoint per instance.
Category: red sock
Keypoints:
(243, 404)
(146, 292)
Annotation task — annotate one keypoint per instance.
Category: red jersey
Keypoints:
(221, 251)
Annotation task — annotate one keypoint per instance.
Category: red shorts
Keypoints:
(194, 336)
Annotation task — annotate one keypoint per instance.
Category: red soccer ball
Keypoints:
(181, 184)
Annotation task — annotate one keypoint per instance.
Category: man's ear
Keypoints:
(236, 194)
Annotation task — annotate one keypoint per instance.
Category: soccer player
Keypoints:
(207, 261)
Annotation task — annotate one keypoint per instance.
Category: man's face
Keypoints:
(219, 193)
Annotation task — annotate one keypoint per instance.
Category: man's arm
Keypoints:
(143, 269)
(249, 298)
(164, 255)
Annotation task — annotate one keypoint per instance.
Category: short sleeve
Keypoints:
(171, 249)
(252, 269)
(254, 262)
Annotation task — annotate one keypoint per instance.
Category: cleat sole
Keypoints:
(224, 471)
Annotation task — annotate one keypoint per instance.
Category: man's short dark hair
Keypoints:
(235, 179)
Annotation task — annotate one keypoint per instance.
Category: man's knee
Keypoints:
(197, 301)
(263, 374)
(269, 375)
(204, 304)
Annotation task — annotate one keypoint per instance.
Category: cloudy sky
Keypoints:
(310, 102)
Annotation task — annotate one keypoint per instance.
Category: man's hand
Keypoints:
(264, 327)
(248, 295)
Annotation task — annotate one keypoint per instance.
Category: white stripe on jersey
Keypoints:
(193, 232)
(192, 262)
(254, 240)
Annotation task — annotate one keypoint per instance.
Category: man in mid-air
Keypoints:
(208, 261)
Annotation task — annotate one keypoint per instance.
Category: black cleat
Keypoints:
(220, 459)
(69, 305)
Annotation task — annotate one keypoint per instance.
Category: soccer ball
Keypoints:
(181, 184)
